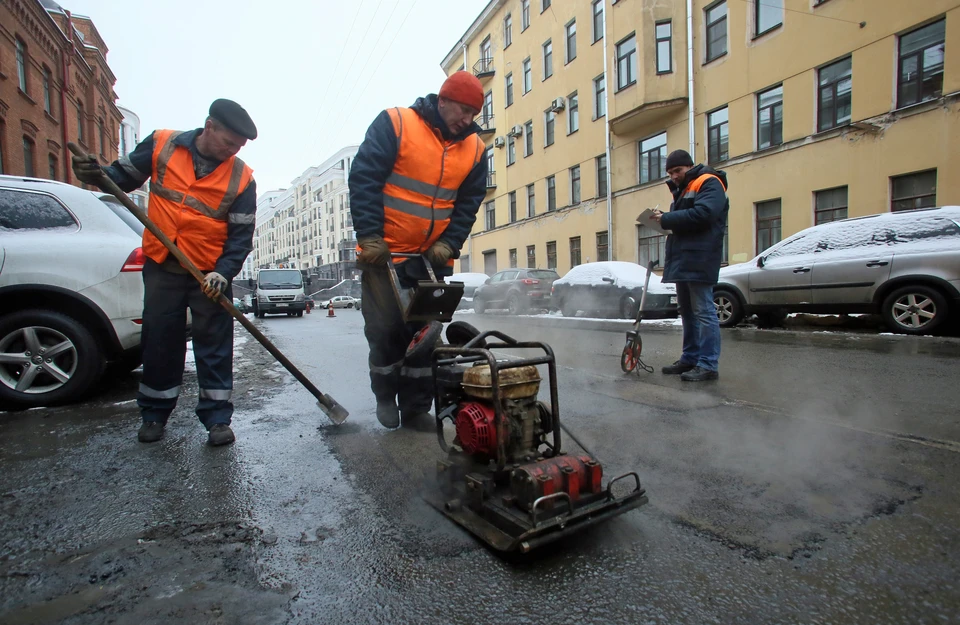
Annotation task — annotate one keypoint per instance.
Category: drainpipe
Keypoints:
(690, 108)
(65, 68)
(611, 243)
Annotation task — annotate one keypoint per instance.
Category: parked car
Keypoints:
(340, 301)
(904, 266)
(613, 288)
(71, 292)
(517, 290)
(471, 282)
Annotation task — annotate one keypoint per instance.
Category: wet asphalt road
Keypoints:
(816, 482)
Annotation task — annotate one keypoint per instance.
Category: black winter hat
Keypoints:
(679, 158)
(234, 117)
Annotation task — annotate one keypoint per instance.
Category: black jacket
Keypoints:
(697, 223)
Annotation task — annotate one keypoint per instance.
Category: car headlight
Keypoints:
(262, 298)
(298, 298)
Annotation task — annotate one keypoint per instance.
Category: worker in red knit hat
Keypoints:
(415, 187)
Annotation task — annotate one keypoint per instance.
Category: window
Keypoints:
(531, 201)
(46, 91)
(464, 263)
(836, 85)
(770, 118)
(528, 139)
(507, 31)
(914, 191)
(718, 148)
(768, 224)
(544, 5)
(547, 59)
(551, 193)
(549, 123)
(602, 175)
(571, 29)
(626, 62)
(574, 251)
(527, 76)
(103, 142)
(921, 64)
(21, 210)
(573, 113)
(512, 199)
(487, 112)
(575, 184)
(599, 96)
(513, 258)
(508, 90)
(602, 251)
(597, 20)
(490, 215)
(51, 166)
(830, 205)
(490, 162)
(524, 15)
(511, 150)
(80, 121)
(531, 257)
(664, 33)
(1, 147)
(653, 158)
(28, 163)
(551, 254)
(22, 64)
(768, 14)
(651, 245)
(486, 53)
(716, 30)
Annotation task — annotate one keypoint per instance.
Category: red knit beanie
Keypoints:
(465, 88)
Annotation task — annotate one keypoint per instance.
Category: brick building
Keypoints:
(55, 87)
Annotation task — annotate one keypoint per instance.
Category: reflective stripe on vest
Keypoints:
(193, 213)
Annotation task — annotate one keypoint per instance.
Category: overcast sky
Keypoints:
(312, 73)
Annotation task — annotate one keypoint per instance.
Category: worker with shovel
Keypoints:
(203, 198)
(415, 187)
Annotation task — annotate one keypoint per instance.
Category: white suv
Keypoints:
(71, 292)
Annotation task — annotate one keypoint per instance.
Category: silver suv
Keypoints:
(904, 266)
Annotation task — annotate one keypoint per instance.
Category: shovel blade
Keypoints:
(337, 413)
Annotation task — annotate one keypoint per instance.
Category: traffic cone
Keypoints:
(330, 312)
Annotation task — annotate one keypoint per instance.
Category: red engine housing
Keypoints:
(476, 429)
(575, 475)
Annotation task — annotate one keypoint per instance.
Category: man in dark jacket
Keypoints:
(415, 187)
(696, 221)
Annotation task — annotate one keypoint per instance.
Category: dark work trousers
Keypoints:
(388, 337)
(166, 298)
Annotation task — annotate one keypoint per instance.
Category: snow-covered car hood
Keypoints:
(627, 275)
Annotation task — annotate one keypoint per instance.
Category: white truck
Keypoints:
(279, 291)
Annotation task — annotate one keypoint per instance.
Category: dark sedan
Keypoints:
(517, 290)
(613, 288)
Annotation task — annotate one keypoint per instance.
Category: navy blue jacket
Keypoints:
(695, 247)
(374, 163)
(130, 172)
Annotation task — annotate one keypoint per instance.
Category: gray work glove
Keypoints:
(214, 285)
(87, 169)
(439, 253)
(373, 251)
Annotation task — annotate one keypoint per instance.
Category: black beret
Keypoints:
(234, 117)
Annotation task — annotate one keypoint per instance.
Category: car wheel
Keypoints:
(568, 310)
(629, 307)
(915, 310)
(46, 358)
(349, 305)
(729, 308)
(299, 313)
(478, 306)
(514, 306)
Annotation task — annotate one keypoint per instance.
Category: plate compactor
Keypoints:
(505, 477)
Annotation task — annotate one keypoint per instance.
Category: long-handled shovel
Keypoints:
(337, 413)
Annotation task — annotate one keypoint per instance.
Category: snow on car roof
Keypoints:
(468, 279)
(626, 274)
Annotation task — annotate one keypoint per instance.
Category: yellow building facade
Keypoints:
(816, 110)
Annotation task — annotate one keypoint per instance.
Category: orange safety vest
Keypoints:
(193, 213)
(419, 195)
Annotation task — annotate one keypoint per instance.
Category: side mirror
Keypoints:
(760, 261)
(487, 281)
(608, 279)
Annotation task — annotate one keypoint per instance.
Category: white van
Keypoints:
(279, 291)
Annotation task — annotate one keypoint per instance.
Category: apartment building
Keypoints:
(308, 225)
(816, 109)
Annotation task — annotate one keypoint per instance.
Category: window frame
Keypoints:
(894, 179)
(604, 246)
(569, 36)
(759, 224)
(29, 160)
(512, 205)
(715, 24)
(771, 108)
(758, 8)
(835, 122)
(669, 41)
(651, 245)
(524, 15)
(544, 5)
(512, 258)
(53, 165)
(20, 55)
(508, 90)
(528, 138)
(710, 138)
(511, 150)
(919, 54)
(490, 215)
(599, 97)
(601, 178)
(595, 14)
(551, 257)
(661, 157)
(817, 211)
(531, 257)
(629, 59)
(47, 93)
(531, 200)
(527, 69)
(576, 246)
(576, 192)
(547, 49)
(573, 113)
(549, 127)
(551, 193)
(507, 30)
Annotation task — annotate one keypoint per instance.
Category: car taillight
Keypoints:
(135, 261)
(530, 281)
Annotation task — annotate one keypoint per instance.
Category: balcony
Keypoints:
(485, 121)
(483, 68)
(491, 180)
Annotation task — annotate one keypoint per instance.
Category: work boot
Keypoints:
(699, 374)
(220, 434)
(677, 368)
(388, 414)
(150, 432)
